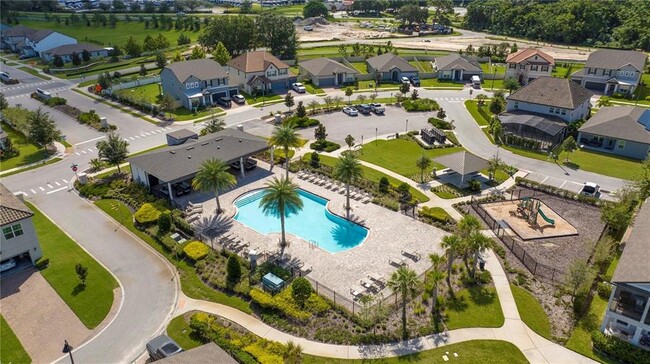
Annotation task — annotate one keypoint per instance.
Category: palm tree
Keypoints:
(436, 276)
(213, 125)
(348, 170)
(286, 137)
(477, 244)
(293, 353)
(423, 162)
(405, 282)
(452, 245)
(213, 176)
(466, 227)
(281, 199)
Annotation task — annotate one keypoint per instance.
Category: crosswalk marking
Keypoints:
(131, 138)
(49, 185)
(83, 151)
(65, 181)
(34, 192)
(42, 189)
(57, 183)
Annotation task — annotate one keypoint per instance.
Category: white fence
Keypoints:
(135, 83)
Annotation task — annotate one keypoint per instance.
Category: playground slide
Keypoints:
(550, 221)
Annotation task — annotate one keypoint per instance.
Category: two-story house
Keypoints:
(43, 40)
(14, 37)
(528, 64)
(196, 82)
(627, 316)
(612, 71)
(261, 71)
(66, 52)
(18, 240)
(390, 67)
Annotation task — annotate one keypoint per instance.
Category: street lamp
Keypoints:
(407, 126)
(375, 136)
(362, 144)
(67, 348)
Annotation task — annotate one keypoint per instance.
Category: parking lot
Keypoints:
(573, 187)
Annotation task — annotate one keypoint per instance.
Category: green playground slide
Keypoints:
(550, 221)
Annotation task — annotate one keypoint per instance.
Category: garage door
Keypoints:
(326, 82)
(595, 86)
(216, 96)
(278, 87)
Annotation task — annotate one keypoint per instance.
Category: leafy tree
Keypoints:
(85, 55)
(285, 136)
(246, 7)
(414, 94)
(118, 5)
(183, 39)
(213, 125)
(349, 140)
(58, 61)
(315, 160)
(444, 8)
(197, 53)
(348, 169)
(404, 88)
(384, 184)
(569, 145)
(301, 112)
(135, 7)
(161, 61)
(132, 48)
(281, 199)
(423, 162)
(412, 14)
(348, 93)
(315, 8)
(214, 176)
(604, 101)
(642, 180)
(361, 98)
(161, 41)
(320, 133)
(221, 54)
(82, 273)
(497, 105)
(3, 102)
(405, 282)
(167, 103)
(617, 215)
(143, 70)
(453, 245)
(511, 84)
(313, 105)
(222, 28)
(288, 100)
(75, 59)
(42, 128)
(113, 150)
(233, 270)
(301, 290)
(277, 33)
(328, 101)
(578, 278)
(343, 50)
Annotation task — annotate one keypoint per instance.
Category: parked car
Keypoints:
(415, 81)
(377, 108)
(239, 99)
(364, 109)
(350, 111)
(224, 101)
(298, 87)
(590, 189)
(308, 28)
(7, 264)
(4, 75)
(405, 79)
(476, 82)
(162, 347)
(44, 94)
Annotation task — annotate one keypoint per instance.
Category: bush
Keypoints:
(384, 184)
(315, 160)
(53, 101)
(302, 122)
(42, 263)
(147, 214)
(434, 213)
(267, 301)
(233, 270)
(604, 290)
(474, 185)
(196, 250)
(618, 349)
(164, 223)
(440, 124)
(420, 105)
(90, 190)
(324, 145)
(301, 290)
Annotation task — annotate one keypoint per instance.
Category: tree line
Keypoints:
(606, 23)
(119, 6)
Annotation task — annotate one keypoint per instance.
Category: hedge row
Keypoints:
(618, 349)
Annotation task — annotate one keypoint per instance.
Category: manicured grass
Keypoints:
(498, 68)
(422, 66)
(474, 307)
(492, 85)
(90, 303)
(399, 155)
(436, 83)
(51, 161)
(180, 331)
(34, 72)
(370, 84)
(472, 107)
(12, 350)
(116, 106)
(250, 99)
(149, 93)
(531, 311)
(191, 284)
(183, 114)
(313, 89)
(469, 352)
(362, 67)
(565, 72)
(371, 174)
(29, 152)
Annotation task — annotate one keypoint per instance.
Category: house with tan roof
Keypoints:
(325, 72)
(528, 64)
(390, 67)
(261, 71)
(620, 130)
(457, 67)
(612, 71)
(18, 241)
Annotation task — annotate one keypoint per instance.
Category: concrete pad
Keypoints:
(573, 187)
(555, 182)
(536, 177)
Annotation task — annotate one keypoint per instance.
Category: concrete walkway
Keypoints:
(534, 347)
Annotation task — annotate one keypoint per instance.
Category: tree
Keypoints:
(315, 160)
(42, 128)
(618, 215)
(436, 275)
(293, 352)
(135, 7)
(578, 278)
(313, 105)
(494, 165)
(118, 5)
(361, 98)
(75, 59)
(132, 48)
(569, 145)
(167, 103)
(85, 55)
(478, 243)
(404, 88)
(221, 54)
(245, 7)
(466, 227)
(301, 290)
(82, 273)
(410, 14)
(328, 101)
(277, 33)
(3, 102)
(497, 105)
(285, 136)
(113, 150)
(233, 270)
(222, 29)
(642, 180)
(452, 245)
(423, 162)
(343, 50)
(481, 99)
(281, 199)
(197, 53)
(349, 140)
(348, 169)
(604, 101)
(414, 94)
(161, 61)
(405, 282)
(315, 8)
(348, 93)
(511, 84)
(443, 9)
(213, 125)
(214, 176)
(183, 39)
(301, 112)
(441, 113)
(143, 70)
(161, 42)
(164, 223)
(58, 61)
(320, 133)
(288, 100)
(514, 48)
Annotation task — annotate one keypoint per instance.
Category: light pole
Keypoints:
(407, 126)
(362, 144)
(67, 348)
(376, 136)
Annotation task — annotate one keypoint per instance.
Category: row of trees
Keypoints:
(38, 126)
(116, 5)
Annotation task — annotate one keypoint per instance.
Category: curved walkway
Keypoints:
(536, 348)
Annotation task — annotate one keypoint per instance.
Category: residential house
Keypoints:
(43, 40)
(620, 130)
(206, 353)
(528, 64)
(390, 67)
(14, 37)
(18, 240)
(66, 51)
(199, 82)
(627, 315)
(325, 72)
(457, 67)
(262, 71)
(612, 71)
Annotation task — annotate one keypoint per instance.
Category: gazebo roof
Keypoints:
(463, 162)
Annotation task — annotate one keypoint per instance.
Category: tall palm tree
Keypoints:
(286, 137)
(213, 176)
(467, 226)
(281, 199)
(405, 282)
(348, 170)
(423, 162)
(477, 244)
(436, 276)
(452, 245)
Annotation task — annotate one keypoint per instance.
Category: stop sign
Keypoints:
(74, 168)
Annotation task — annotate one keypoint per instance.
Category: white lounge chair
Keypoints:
(368, 284)
(357, 291)
(400, 262)
(377, 278)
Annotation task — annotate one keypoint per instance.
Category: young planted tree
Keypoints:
(213, 125)
(348, 93)
(404, 88)
(167, 103)
(569, 145)
(361, 98)
(161, 61)
(301, 290)
(301, 112)
(578, 278)
(85, 56)
(313, 105)
(221, 54)
(405, 282)
(82, 273)
(348, 169)
(214, 176)
(285, 136)
(143, 70)
(113, 150)
(233, 270)
(642, 180)
(281, 199)
(337, 101)
(328, 102)
(415, 95)
(320, 133)
(42, 128)
(58, 61)
(76, 60)
(349, 140)
(423, 162)
(3, 102)
(288, 100)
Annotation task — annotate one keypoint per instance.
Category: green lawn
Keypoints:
(191, 284)
(362, 67)
(492, 85)
(472, 107)
(422, 66)
(148, 93)
(496, 68)
(313, 89)
(469, 352)
(183, 114)
(12, 350)
(399, 155)
(565, 72)
(531, 311)
(29, 152)
(474, 307)
(91, 303)
(642, 93)
(370, 174)
(34, 72)
(180, 331)
(436, 83)
(250, 99)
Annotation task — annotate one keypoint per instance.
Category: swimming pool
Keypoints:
(313, 223)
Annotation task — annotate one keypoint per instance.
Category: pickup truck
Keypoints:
(377, 108)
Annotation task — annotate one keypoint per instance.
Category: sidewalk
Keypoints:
(60, 153)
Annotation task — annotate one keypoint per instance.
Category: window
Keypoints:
(12, 231)
(621, 144)
(188, 86)
(196, 85)
(591, 71)
(607, 72)
(551, 110)
(512, 65)
(563, 112)
(271, 73)
(557, 111)
(516, 104)
(283, 72)
(533, 67)
(544, 68)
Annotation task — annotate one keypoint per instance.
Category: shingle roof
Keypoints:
(633, 265)
(623, 122)
(388, 61)
(182, 133)
(205, 354)
(182, 161)
(73, 48)
(615, 59)
(203, 69)
(457, 62)
(524, 54)
(552, 91)
(325, 67)
(17, 31)
(256, 61)
(463, 162)
(550, 125)
(40, 35)
(11, 208)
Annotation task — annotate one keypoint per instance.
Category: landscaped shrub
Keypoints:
(301, 290)
(53, 101)
(315, 160)
(208, 330)
(324, 145)
(97, 189)
(233, 270)
(147, 214)
(384, 184)
(164, 223)
(42, 263)
(90, 118)
(302, 122)
(618, 349)
(285, 303)
(440, 124)
(196, 250)
(474, 185)
(434, 213)
(604, 290)
(420, 105)
(180, 223)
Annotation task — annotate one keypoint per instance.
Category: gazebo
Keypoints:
(463, 163)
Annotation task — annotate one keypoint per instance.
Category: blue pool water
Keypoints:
(312, 223)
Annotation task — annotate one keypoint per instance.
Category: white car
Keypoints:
(308, 28)
(7, 264)
(590, 189)
(298, 87)
(406, 80)
(239, 99)
(350, 111)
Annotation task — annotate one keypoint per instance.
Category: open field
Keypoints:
(148, 93)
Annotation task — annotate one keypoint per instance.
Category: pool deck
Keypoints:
(389, 234)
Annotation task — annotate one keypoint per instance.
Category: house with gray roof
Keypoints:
(612, 71)
(456, 67)
(326, 72)
(390, 67)
(205, 354)
(66, 52)
(619, 130)
(43, 40)
(628, 310)
(18, 240)
(13, 36)
(198, 82)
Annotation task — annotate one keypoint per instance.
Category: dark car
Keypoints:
(224, 101)
(364, 109)
(162, 347)
(415, 81)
